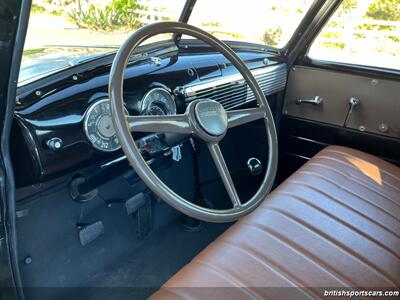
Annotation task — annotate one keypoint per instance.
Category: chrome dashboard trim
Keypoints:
(119, 159)
(232, 92)
(190, 90)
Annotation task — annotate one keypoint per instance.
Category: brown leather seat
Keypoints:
(334, 223)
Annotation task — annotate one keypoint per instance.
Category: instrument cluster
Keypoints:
(98, 125)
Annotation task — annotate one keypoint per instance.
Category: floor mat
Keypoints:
(117, 265)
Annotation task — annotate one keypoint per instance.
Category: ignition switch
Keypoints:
(255, 166)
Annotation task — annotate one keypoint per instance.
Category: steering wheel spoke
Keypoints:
(223, 171)
(242, 116)
(160, 124)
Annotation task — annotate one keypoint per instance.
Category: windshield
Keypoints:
(64, 33)
(266, 22)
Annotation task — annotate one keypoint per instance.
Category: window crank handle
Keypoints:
(353, 102)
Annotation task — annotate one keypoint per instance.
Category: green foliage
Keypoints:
(388, 10)
(272, 36)
(37, 8)
(346, 7)
(54, 7)
(31, 52)
(330, 35)
(118, 15)
(214, 29)
(213, 24)
(333, 45)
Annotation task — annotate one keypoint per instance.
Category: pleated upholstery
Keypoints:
(334, 223)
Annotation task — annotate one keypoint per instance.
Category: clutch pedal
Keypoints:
(89, 232)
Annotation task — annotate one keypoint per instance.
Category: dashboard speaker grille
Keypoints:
(232, 91)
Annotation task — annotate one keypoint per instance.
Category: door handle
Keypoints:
(315, 101)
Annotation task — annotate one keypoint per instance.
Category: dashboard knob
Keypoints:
(55, 144)
(255, 166)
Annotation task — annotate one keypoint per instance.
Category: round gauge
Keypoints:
(155, 110)
(158, 101)
(99, 127)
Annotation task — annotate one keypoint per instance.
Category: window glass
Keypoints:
(362, 32)
(64, 33)
(266, 22)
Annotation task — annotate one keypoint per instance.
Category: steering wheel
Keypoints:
(204, 118)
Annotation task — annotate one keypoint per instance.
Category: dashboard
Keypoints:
(65, 123)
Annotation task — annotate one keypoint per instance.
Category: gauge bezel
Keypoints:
(86, 129)
(146, 102)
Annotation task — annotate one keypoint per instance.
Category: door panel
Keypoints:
(307, 128)
(377, 112)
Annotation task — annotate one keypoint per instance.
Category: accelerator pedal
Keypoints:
(89, 232)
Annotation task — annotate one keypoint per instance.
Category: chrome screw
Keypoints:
(383, 127)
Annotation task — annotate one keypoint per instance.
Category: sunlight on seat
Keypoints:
(368, 169)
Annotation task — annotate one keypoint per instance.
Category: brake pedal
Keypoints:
(141, 205)
(134, 203)
(89, 232)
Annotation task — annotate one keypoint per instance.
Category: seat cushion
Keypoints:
(333, 223)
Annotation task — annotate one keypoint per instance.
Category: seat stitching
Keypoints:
(330, 240)
(267, 264)
(352, 193)
(351, 155)
(230, 278)
(350, 166)
(342, 203)
(302, 252)
(344, 223)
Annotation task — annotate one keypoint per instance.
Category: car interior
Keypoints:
(196, 168)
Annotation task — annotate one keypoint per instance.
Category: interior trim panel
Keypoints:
(362, 103)
(301, 139)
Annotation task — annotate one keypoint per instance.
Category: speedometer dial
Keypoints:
(158, 101)
(99, 128)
